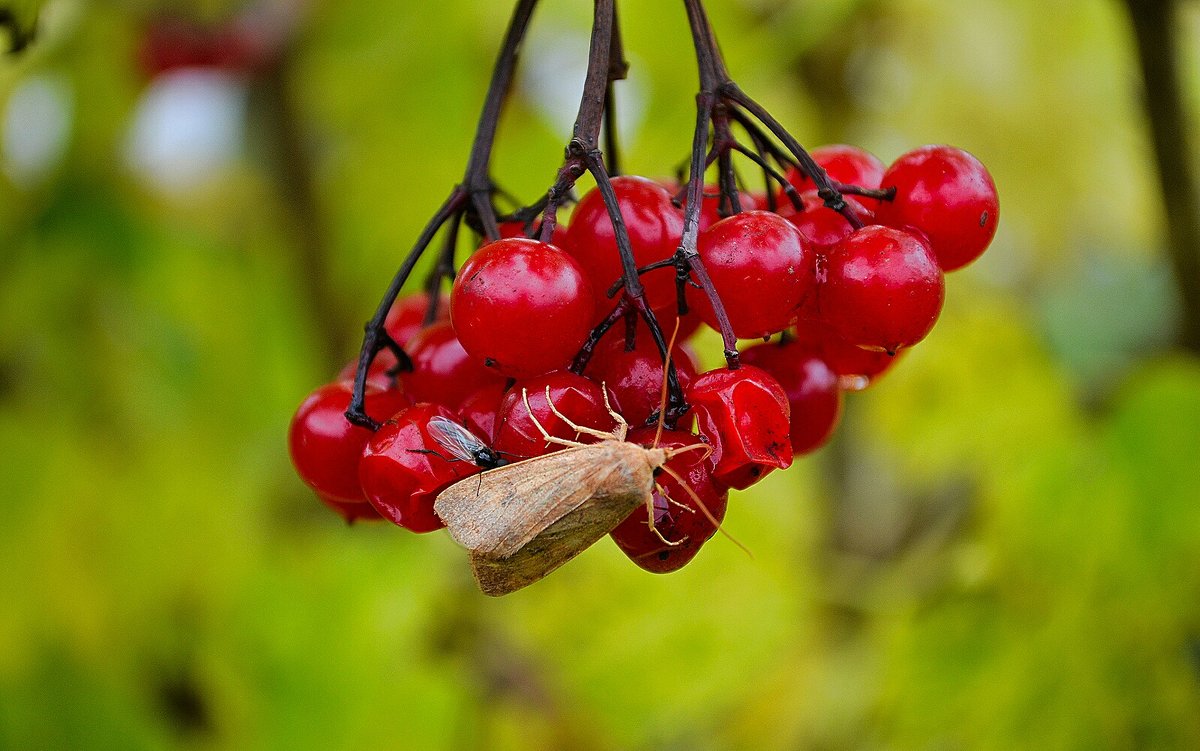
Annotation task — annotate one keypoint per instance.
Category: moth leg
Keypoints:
(541, 428)
(663, 491)
(577, 428)
(650, 513)
(622, 428)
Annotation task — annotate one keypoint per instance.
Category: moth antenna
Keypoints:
(650, 512)
(541, 428)
(704, 509)
(662, 402)
(706, 448)
(622, 428)
(577, 428)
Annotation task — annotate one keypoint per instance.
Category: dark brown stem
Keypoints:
(442, 270)
(1153, 24)
(474, 191)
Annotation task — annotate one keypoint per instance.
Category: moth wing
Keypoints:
(565, 538)
(497, 512)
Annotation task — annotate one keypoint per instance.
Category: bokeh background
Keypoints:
(1000, 549)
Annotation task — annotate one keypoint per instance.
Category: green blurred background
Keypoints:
(1000, 549)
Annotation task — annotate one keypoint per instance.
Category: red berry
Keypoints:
(377, 374)
(848, 165)
(580, 399)
(761, 267)
(710, 207)
(351, 511)
(443, 372)
(883, 289)
(947, 194)
(654, 224)
(399, 477)
(558, 238)
(521, 307)
(479, 410)
(745, 415)
(407, 316)
(811, 387)
(635, 378)
(821, 226)
(856, 367)
(325, 447)
(679, 520)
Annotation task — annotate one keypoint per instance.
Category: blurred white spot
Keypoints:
(552, 83)
(188, 127)
(37, 128)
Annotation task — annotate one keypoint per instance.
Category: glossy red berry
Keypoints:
(654, 225)
(580, 399)
(325, 447)
(820, 225)
(522, 307)
(351, 511)
(403, 468)
(634, 378)
(443, 372)
(377, 375)
(710, 207)
(811, 387)
(883, 289)
(761, 267)
(947, 194)
(479, 410)
(679, 520)
(856, 367)
(848, 165)
(407, 316)
(558, 238)
(746, 416)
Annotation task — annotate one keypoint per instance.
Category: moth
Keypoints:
(523, 520)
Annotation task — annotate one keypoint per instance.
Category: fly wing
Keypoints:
(498, 511)
(457, 440)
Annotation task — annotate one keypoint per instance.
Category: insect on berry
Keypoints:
(524, 520)
(462, 444)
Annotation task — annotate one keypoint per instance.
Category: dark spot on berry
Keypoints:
(489, 362)
(664, 555)
(983, 219)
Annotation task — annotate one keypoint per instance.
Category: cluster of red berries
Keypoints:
(498, 359)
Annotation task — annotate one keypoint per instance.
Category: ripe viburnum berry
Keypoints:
(844, 164)
(478, 412)
(351, 511)
(761, 267)
(654, 224)
(407, 316)
(326, 447)
(883, 289)
(746, 416)
(634, 378)
(680, 521)
(521, 307)
(947, 194)
(822, 226)
(558, 238)
(579, 398)
(811, 387)
(443, 373)
(856, 367)
(403, 468)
